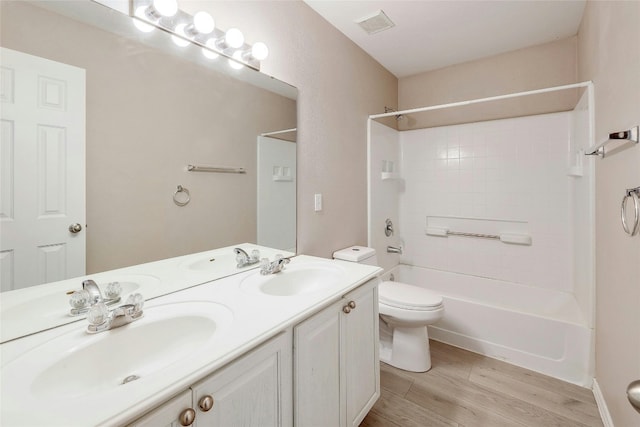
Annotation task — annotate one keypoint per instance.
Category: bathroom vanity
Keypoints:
(294, 348)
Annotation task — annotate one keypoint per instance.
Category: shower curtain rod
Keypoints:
(480, 100)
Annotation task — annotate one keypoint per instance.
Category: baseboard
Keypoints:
(602, 405)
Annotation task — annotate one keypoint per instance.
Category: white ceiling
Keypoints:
(432, 34)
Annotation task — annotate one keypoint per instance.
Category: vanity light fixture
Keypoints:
(161, 8)
(233, 39)
(259, 51)
(236, 62)
(210, 51)
(203, 23)
(198, 29)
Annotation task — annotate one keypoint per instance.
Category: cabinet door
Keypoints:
(361, 353)
(317, 373)
(167, 415)
(255, 390)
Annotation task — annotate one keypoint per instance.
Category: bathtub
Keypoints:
(538, 329)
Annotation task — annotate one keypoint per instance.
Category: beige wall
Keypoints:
(339, 86)
(609, 55)
(547, 65)
(149, 114)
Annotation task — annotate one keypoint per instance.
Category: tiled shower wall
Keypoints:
(492, 177)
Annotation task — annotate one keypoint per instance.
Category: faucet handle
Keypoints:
(264, 265)
(136, 300)
(113, 290)
(98, 314)
(79, 299)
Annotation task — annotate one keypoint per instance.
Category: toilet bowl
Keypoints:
(405, 311)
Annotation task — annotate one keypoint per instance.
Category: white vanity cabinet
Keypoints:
(174, 413)
(336, 363)
(254, 390)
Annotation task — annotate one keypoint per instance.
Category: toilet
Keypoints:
(405, 311)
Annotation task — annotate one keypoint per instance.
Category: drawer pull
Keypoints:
(187, 417)
(206, 403)
(350, 306)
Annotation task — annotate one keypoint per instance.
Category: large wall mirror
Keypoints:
(149, 113)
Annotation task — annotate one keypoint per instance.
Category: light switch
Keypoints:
(317, 205)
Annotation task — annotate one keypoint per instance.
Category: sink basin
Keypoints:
(80, 364)
(210, 262)
(218, 263)
(295, 280)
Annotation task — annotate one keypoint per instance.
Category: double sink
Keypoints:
(174, 333)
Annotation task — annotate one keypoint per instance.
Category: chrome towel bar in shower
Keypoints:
(616, 140)
(634, 194)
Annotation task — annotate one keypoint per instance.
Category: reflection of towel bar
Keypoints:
(192, 168)
(518, 239)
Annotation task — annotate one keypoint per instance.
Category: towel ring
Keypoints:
(633, 193)
(181, 197)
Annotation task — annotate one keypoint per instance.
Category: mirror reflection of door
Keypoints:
(276, 193)
(42, 202)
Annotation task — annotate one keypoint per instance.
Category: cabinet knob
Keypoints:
(346, 309)
(206, 403)
(187, 417)
(352, 304)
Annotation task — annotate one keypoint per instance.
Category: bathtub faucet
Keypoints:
(394, 250)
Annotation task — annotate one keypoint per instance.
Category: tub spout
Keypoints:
(394, 250)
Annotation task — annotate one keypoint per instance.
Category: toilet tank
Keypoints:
(359, 254)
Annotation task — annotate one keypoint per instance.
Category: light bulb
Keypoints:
(211, 44)
(259, 51)
(142, 26)
(234, 38)
(165, 7)
(203, 22)
(237, 64)
(178, 40)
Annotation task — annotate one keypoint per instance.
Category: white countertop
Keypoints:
(46, 306)
(256, 317)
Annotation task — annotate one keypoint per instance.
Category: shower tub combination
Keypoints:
(542, 330)
(541, 320)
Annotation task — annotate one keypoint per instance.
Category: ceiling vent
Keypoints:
(375, 23)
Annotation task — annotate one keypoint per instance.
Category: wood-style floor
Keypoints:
(467, 389)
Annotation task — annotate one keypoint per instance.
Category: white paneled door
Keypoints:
(42, 170)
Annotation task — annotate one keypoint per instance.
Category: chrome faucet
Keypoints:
(275, 266)
(243, 259)
(90, 294)
(101, 319)
(95, 295)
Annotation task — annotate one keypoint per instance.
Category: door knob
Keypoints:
(75, 228)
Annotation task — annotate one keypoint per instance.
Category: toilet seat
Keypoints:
(408, 297)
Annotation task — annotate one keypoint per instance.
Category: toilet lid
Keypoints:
(401, 295)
